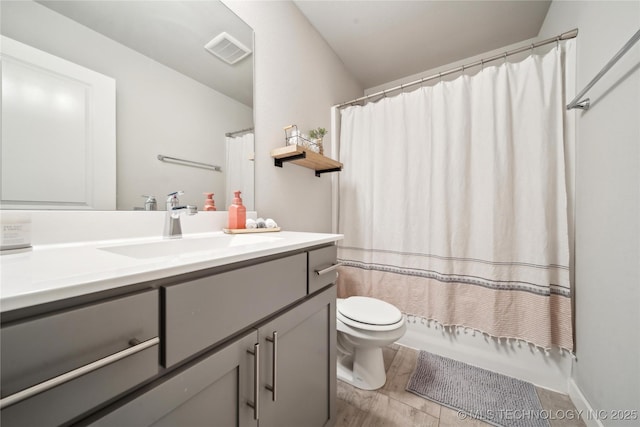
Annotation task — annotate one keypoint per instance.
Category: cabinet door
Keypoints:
(305, 365)
(212, 391)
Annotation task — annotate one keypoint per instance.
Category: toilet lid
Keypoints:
(369, 310)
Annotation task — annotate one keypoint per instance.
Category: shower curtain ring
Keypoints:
(505, 57)
(532, 47)
(440, 76)
(557, 42)
(482, 65)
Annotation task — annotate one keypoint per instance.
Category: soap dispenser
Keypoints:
(209, 203)
(237, 213)
(150, 204)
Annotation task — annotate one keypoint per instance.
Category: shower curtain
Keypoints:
(453, 202)
(239, 170)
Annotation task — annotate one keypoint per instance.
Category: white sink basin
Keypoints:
(188, 246)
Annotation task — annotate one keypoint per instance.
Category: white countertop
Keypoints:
(50, 273)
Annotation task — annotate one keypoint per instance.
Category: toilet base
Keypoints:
(364, 370)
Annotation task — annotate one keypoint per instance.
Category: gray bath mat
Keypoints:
(494, 398)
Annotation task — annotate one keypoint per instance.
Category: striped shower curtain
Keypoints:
(453, 202)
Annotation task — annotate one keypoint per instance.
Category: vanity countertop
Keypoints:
(50, 273)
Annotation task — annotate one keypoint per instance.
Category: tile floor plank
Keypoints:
(398, 377)
(452, 418)
(388, 412)
(349, 416)
(562, 412)
(360, 399)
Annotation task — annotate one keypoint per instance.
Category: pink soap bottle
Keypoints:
(237, 213)
(209, 203)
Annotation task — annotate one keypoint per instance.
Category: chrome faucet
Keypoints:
(172, 227)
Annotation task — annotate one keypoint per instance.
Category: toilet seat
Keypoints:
(369, 314)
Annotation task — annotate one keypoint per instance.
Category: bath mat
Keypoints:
(477, 393)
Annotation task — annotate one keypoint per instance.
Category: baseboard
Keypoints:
(550, 371)
(589, 416)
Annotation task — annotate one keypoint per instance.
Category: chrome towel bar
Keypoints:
(184, 162)
(584, 104)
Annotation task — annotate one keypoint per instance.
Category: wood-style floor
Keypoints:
(393, 406)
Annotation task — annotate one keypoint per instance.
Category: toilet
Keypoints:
(365, 325)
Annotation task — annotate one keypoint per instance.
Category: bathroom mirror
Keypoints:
(183, 115)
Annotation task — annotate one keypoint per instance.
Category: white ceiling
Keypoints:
(385, 40)
(174, 34)
(378, 40)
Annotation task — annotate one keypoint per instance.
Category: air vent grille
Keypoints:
(227, 48)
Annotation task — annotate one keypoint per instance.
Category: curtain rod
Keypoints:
(229, 134)
(564, 36)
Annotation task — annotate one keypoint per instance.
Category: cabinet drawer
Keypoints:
(202, 312)
(43, 349)
(319, 260)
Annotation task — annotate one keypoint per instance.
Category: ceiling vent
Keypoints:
(227, 48)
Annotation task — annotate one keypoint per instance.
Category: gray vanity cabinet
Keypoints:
(298, 369)
(251, 344)
(211, 391)
(219, 388)
(294, 348)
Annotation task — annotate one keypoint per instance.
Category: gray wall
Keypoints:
(297, 79)
(607, 251)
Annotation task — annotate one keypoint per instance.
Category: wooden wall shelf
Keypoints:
(303, 157)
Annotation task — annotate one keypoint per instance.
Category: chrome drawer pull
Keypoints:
(255, 405)
(274, 364)
(328, 269)
(71, 375)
